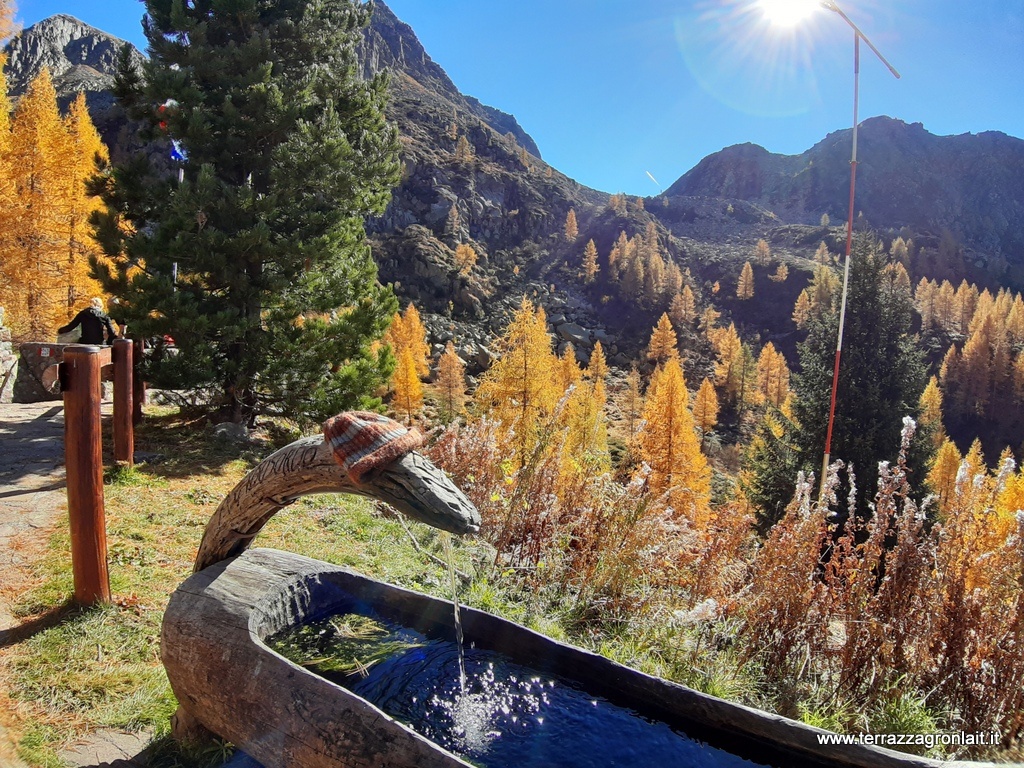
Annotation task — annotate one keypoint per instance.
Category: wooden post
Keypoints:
(124, 435)
(83, 458)
(138, 385)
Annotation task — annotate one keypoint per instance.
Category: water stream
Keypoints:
(446, 539)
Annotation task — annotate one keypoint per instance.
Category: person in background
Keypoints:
(94, 322)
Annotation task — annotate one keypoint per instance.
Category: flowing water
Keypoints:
(446, 538)
(505, 716)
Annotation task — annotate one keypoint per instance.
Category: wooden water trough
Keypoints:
(230, 682)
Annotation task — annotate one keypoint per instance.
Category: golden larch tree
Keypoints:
(590, 266)
(654, 278)
(780, 274)
(395, 334)
(7, 24)
(976, 371)
(745, 285)
(945, 311)
(586, 441)
(823, 255)
(728, 369)
(465, 258)
(617, 255)
(802, 310)
(930, 407)
(900, 251)
(7, 190)
(36, 257)
(824, 286)
(669, 446)
(407, 332)
(519, 389)
(88, 154)
(762, 253)
(1015, 321)
(632, 275)
(683, 309)
(415, 339)
(463, 151)
(450, 384)
(772, 376)
(663, 345)
(924, 302)
(964, 303)
(705, 409)
(708, 323)
(568, 370)
(408, 397)
(572, 230)
(673, 282)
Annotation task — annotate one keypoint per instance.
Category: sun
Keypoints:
(788, 13)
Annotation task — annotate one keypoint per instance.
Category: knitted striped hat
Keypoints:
(365, 442)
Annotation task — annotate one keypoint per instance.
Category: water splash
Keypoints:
(475, 718)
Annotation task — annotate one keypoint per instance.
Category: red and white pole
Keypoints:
(857, 37)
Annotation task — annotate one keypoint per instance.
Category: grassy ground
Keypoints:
(86, 670)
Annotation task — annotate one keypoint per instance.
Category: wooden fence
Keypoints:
(80, 375)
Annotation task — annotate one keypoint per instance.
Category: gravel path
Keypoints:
(32, 500)
(32, 490)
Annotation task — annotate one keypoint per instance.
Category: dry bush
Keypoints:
(782, 598)
(877, 594)
(979, 640)
(892, 615)
(581, 532)
(892, 610)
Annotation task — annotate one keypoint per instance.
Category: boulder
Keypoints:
(573, 333)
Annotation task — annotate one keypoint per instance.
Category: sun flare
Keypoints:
(788, 13)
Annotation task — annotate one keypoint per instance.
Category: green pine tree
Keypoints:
(881, 377)
(276, 305)
(770, 468)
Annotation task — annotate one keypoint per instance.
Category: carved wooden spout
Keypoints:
(411, 484)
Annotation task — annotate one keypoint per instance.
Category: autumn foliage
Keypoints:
(45, 237)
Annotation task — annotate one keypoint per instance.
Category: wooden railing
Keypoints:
(80, 376)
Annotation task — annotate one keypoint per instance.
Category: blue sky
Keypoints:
(612, 90)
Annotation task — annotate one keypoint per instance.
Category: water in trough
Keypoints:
(507, 716)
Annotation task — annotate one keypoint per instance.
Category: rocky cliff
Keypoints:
(81, 59)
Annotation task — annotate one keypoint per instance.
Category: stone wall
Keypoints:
(8, 362)
(34, 384)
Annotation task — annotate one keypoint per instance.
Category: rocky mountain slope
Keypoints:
(971, 186)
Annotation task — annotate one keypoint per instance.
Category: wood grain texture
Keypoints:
(413, 485)
(275, 711)
(83, 459)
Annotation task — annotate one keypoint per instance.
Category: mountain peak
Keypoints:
(906, 177)
(390, 43)
(79, 56)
